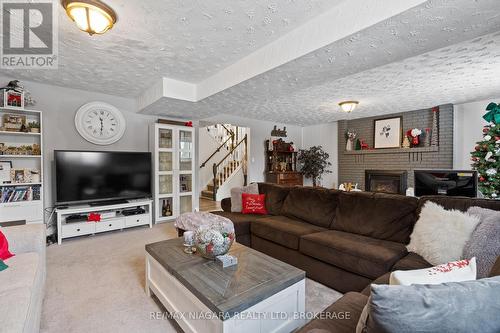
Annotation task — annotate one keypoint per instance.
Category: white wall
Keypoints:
(325, 135)
(259, 132)
(59, 106)
(468, 123)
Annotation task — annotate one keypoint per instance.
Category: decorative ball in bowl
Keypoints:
(214, 240)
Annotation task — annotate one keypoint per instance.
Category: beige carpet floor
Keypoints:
(96, 284)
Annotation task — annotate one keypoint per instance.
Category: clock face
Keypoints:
(100, 123)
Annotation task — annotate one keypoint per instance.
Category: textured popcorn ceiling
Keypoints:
(186, 40)
(385, 67)
(443, 51)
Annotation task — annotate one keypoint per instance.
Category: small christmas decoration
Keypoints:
(350, 136)
(427, 139)
(358, 144)
(94, 217)
(434, 130)
(406, 142)
(485, 157)
(415, 136)
(15, 96)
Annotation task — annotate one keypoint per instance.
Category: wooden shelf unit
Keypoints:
(281, 167)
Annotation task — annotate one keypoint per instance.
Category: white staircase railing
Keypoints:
(235, 159)
(232, 139)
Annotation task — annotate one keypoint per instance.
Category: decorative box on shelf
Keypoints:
(11, 98)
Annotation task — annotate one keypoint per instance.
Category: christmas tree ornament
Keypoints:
(487, 138)
(491, 172)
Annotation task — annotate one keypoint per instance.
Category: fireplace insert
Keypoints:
(387, 181)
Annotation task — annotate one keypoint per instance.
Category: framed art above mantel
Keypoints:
(388, 132)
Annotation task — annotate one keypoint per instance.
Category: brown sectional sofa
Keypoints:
(343, 240)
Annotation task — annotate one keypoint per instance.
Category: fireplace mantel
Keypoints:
(393, 151)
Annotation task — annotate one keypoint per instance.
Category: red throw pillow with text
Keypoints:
(253, 203)
(4, 248)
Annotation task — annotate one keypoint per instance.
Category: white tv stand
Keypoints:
(118, 222)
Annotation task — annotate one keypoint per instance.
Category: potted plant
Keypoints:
(34, 127)
(314, 163)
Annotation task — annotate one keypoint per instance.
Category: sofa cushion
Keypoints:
(340, 317)
(275, 196)
(411, 261)
(383, 279)
(314, 205)
(24, 271)
(283, 230)
(355, 253)
(15, 309)
(241, 221)
(383, 216)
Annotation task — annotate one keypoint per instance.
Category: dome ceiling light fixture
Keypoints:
(348, 106)
(91, 16)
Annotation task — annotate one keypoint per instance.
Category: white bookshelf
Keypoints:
(173, 149)
(29, 211)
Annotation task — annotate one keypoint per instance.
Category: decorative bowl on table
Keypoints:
(214, 239)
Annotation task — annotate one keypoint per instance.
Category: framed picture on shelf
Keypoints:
(13, 122)
(19, 175)
(388, 132)
(5, 167)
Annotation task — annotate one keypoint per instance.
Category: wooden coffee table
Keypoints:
(260, 294)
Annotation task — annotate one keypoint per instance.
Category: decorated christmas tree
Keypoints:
(486, 156)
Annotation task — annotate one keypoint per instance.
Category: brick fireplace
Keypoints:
(354, 164)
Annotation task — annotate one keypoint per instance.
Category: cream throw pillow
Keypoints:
(455, 271)
(440, 235)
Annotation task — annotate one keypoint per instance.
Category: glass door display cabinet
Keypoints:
(173, 153)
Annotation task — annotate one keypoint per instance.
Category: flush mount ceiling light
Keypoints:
(91, 16)
(348, 106)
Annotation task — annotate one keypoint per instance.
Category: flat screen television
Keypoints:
(446, 182)
(97, 176)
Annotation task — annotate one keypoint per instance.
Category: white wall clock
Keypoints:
(100, 123)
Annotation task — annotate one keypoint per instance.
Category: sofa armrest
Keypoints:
(27, 238)
(495, 271)
(225, 204)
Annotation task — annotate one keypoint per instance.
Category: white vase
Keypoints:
(348, 146)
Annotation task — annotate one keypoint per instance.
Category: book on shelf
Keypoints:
(20, 193)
